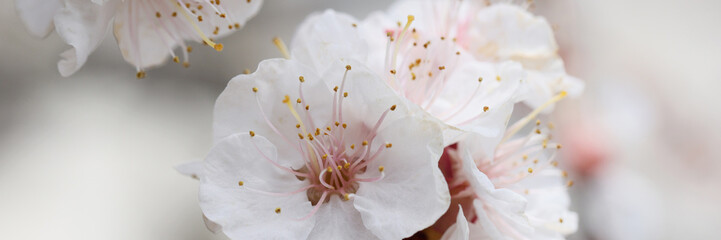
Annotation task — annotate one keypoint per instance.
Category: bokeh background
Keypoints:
(91, 156)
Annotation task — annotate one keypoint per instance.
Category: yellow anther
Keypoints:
(365, 143)
(530, 170)
(498, 78)
(538, 131)
(457, 53)
(140, 74)
(176, 59)
(175, 14)
(277, 210)
(240, 183)
(310, 137)
(393, 71)
(300, 136)
(485, 108)
(218, 47)
(352, 146)
(346, 196)
(307, 107)
(380, 169)
(346, 165)
(186, 64)
(538, 122)
(255, 89)
(480, 79)
(297, 125)
(560, 220)
(389, 145)
(525, 157)
(252, 134)
(393, 108)
(281, 47)
(564, 173)
(335, 89)
(570, 183)
(347, 67)
(324, 157)
(345, 94)
(425, 45)
(535, 161)
(354, 25)
(189, 49)
(558, 146)
(298, 100)
(337, 124)
(413, 76)
(441, 67)
(345, 125)
(157, 14)
(329, 169)
(301, 79)
(200, 18)
(339, 167)
(554, 163)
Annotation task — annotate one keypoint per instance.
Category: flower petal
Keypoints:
(390, 207)
(239, 109)
(38, 15)
(459, 230)
(338, 219)
(325, 38)
(502, 208)
(243, 211)
(83, 25)
(507, 31)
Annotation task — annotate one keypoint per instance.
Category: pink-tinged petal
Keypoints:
(38, 15)
(230, 191)
(459, 230)
(82, 25)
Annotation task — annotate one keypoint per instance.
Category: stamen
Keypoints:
(518, 125)
(217, 47)
(281, 47)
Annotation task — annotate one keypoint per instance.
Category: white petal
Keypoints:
(323, 39)
(502, 207)
(338, 219)
(242, 212)
(459, 230)
(237, 109)
(463, 100)
(38, 15)
(507, 31)
(82, 25)
(413, 194)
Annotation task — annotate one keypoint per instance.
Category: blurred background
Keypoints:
(91, 156)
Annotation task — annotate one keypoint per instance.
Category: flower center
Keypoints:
(333, 155)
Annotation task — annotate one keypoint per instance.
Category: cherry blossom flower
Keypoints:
(147, 31)
(423, 65)
(512, 191)
(496, 33)
(296, 158)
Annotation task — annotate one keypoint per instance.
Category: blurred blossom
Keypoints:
(147, 31)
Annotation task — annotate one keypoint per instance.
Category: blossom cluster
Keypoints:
(392, 127)
(395, 126)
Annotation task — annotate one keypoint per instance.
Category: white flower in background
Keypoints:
(147, 31)
(511, 191)
(421, 64)
(505, 31)
(340, 156)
